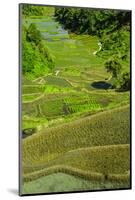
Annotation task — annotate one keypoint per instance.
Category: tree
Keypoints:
(33, 34)
(113, 66)
(36, 58)
(125, 82)
(30, 10)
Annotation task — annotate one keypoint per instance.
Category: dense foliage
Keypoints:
(28, 10)
(92, 21)
(36, 58)
(33, 10)
(113, 29)
(113, 66)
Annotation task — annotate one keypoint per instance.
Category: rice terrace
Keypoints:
(75, 99)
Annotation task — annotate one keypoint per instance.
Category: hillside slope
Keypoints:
(95, 144)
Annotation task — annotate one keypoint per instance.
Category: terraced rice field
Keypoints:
(79, 134)
(93, 150)
(86, 129)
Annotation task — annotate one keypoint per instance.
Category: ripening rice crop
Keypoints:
(60, 145)
(105, 162)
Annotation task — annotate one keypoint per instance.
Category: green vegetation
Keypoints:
(34, 11)
(66, 106)
(36, 59)
(92, 21)
(113, 30)
(75, 99)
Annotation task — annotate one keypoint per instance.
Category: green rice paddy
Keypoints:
(82, 133)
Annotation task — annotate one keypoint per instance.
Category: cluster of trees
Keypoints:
(91, 21)
(36, 58)
(113, 30)
(29, 10)
(33, 10)
(121, 78)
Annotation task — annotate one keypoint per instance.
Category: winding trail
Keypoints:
(100, 47)
(57, 72)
